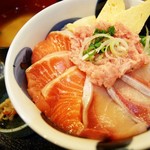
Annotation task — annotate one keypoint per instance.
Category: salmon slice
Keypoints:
(91, 133)
(45, 70)
(136, 102)
(64, 96)
(105, 115)
(142, 74)
(55, 41)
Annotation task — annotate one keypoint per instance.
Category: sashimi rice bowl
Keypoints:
(78, 73)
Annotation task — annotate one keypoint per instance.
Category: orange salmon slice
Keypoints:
(45, 70)
(55, 41)
(64, 96)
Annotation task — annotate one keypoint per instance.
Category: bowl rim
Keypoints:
(12, 130)
(41, 126)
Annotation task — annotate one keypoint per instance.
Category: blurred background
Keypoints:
(14, 13)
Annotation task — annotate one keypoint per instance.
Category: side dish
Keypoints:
(91, 79)
(7, 111)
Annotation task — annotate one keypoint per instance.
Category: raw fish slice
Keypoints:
(136, 84)
(55, 41)
(64, 97)
(117, 100)
(91, 133)
(106, 115)
(137, 103)
(142, 75)
(98, 70)
(45, 70)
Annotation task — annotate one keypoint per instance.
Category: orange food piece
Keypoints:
(43, 71)
(64, 96)
(55, 41)
(91, 133)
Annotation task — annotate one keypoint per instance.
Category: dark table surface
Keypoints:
(30, 142)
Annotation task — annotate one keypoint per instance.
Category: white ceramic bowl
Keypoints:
(32, 32)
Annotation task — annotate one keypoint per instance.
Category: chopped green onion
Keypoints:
(101, 42)
(118, 47)
(143, 40)
(89, 56)
(147, 42)
(111, 30)
(98, 31)
(97, 44)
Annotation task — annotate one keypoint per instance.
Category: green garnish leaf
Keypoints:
(111, 30)
(98, 31)
(97, 44)
(91, 52)
(91, 56)
(143, 40)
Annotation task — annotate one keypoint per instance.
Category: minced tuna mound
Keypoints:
(108, 69)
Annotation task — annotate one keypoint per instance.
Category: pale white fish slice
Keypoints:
(86, 99)
(136, 84)
(116, 98)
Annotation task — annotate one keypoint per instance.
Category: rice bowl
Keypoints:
(34, 31)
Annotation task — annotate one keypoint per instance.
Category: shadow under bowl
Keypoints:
(17, 127)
